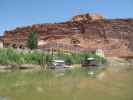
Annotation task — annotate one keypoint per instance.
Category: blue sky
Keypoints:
(17, 13)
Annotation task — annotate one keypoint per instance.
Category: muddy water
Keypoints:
(4, 98)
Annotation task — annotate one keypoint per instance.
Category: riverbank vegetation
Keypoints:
(10, 56)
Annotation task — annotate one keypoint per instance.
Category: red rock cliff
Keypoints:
(114, 36)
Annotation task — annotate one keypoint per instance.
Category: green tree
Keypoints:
(32, 40)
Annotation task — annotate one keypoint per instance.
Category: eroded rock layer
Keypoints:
(114, 36)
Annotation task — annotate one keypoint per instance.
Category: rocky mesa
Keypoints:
(87, 31)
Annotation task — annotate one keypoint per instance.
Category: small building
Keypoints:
(100, 53)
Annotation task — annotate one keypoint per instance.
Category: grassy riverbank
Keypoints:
(18, 57)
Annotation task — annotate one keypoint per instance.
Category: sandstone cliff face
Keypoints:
(87, 17)
(114, 36)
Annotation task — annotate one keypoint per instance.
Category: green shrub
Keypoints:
(32, 40)
(69, 60)
(8, 56)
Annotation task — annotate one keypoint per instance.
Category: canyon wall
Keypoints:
(113, 36)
